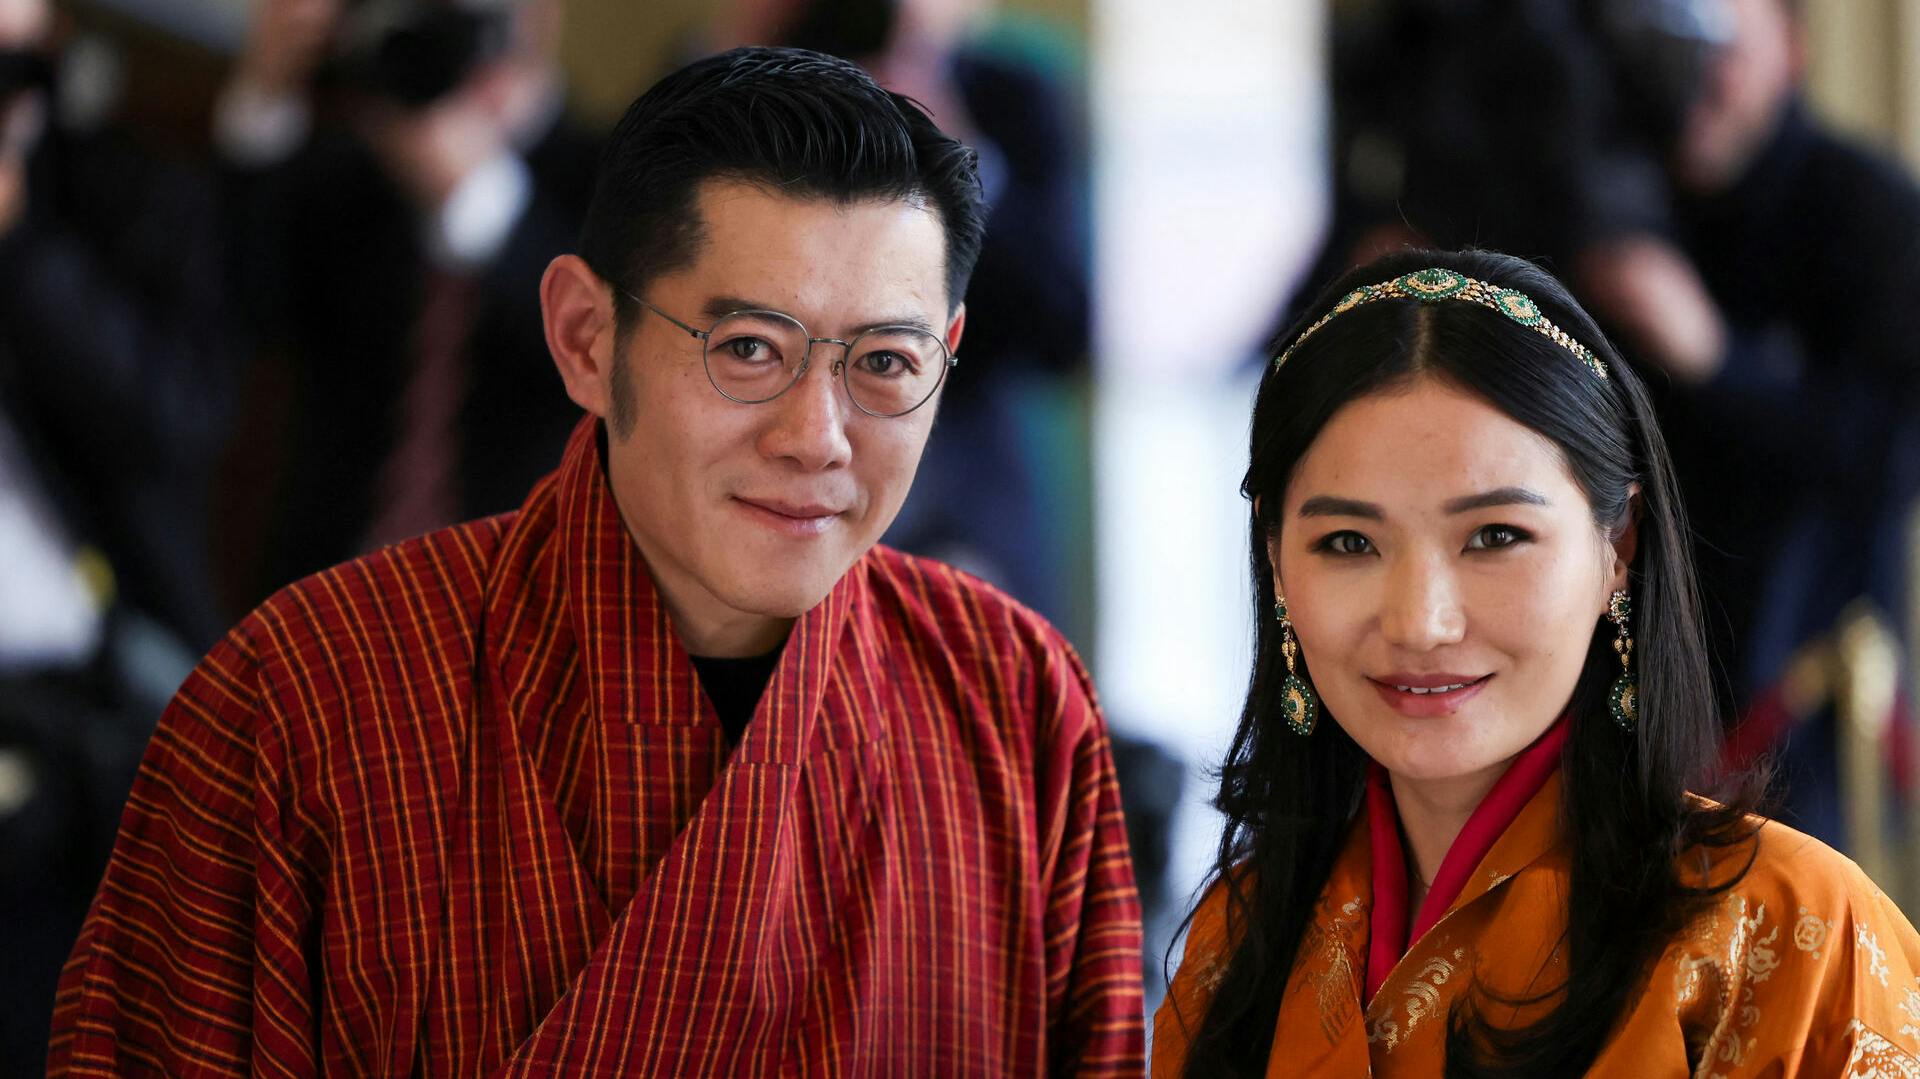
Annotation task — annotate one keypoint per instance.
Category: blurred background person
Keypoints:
(1753, 262)
(116, 382)
(400, 174)
(1779, 308)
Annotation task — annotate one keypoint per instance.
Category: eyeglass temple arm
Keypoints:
(698, 335)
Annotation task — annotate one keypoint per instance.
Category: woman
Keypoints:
(1459, 836)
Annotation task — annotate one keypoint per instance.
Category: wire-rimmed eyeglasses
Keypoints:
(754, 356)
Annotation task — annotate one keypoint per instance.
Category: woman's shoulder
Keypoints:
(1769, 875)
(1797, 956)
(1790, 866)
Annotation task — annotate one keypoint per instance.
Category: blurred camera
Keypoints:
(415, 52)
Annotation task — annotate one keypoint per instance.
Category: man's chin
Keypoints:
(786, 598)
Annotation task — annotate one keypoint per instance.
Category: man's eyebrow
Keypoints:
(1499, 496)
(1328, 506)
(721, 306)
(912, 322)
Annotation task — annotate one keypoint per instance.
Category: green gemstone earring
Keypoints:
(1299, 705)
(1623, 700)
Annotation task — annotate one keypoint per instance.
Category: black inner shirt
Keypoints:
(735, 686)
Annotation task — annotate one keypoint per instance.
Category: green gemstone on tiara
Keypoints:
(1432, 283)
(1517, 306)
(1437, 283)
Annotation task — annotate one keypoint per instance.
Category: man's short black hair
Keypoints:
(799, 123)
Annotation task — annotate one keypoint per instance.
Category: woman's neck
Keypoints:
(1432, 814)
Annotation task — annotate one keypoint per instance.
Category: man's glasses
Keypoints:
(755, 356)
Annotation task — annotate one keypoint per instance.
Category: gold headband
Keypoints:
(1434, 284)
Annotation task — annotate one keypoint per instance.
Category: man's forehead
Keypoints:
(865, 258)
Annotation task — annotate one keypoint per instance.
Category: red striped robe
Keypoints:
(461, 808)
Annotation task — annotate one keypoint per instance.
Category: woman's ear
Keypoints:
(1273, 550)
(1626, 542)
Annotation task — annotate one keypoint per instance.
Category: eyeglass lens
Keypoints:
(754, 356)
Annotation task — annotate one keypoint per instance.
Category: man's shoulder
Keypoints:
(988, 645)
(953, 604)
(418, 599)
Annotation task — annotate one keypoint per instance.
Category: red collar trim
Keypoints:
(1390, 936)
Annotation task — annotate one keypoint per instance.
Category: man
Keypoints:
(499, 800)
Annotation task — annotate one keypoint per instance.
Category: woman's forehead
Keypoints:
(1423, 445)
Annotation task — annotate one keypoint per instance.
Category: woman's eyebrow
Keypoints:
(1328, 506)
(1499, 496)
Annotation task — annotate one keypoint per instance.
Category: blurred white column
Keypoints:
(1209, 129)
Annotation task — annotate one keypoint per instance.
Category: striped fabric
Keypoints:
(461, 808)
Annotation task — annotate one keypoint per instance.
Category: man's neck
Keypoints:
(728, 637)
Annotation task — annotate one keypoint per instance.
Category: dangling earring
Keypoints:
(1298, 703)
(1623, 700)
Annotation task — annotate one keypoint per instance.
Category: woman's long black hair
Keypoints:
(1289, 801)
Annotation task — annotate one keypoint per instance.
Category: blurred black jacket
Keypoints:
(330, 260)
(116, 362)
(1800, 460)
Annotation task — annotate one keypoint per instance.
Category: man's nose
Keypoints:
(1421, 610)
(809, 421)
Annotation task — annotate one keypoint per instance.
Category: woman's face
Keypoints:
(1444, 575)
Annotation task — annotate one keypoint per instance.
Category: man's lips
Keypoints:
(791, 518)
(1427, 695)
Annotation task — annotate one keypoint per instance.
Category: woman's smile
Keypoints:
(1421, 696)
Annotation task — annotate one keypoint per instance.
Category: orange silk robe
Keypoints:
(1802, 968)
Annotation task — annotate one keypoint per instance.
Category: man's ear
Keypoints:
(1627, 542)
(576, 307)
(954, 328)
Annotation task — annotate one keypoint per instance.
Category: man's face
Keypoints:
(1747, 85)
(23, 23)
(749, 513)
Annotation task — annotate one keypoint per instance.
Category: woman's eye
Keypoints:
(1346, 543)
(1493, 537)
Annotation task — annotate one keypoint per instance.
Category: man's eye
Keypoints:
(891, 364)
(748, 348)
(1493, 537)
(1346, 543)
